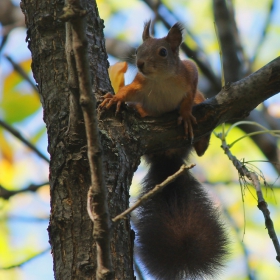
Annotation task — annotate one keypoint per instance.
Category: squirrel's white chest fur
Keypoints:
(162, 96)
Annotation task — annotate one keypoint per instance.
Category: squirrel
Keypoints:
(179, 231)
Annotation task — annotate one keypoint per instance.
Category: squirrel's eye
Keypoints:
(163, 52)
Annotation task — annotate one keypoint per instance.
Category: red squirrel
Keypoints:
(179, 232)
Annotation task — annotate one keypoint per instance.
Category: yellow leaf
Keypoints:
(5, 150)
(7, 173)
(13, 79)
(116, 73)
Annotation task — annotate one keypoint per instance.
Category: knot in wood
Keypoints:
(72, 12)
(84, 101)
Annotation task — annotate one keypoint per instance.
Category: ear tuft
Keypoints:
(175, 36)
(146, 31)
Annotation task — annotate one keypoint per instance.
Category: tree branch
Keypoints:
(155, 190)
(233, 103)
(262, 205)
(6, 194)
(96, 204)
(21, 72)
(225, 25)
(26, 261)
(17, 134)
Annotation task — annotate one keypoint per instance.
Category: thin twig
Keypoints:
(17, 134)
(21, 72)
(3, 42)
(6, 194)
(26, 261)
(96, 204)
(262, 205)
(152, 192)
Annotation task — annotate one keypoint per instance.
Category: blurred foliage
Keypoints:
(23, 101)
(20, 107)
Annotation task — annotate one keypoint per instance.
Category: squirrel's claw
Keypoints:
(188, 122)
(109, 100)
(119, 103)
(106, 100)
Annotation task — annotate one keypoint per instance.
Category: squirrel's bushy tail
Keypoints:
(179, 232)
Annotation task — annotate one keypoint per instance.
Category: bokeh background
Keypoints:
(24, 190)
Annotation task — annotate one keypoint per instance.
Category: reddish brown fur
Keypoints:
(178, 231)
(162, 84)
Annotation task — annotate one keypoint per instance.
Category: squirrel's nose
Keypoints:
(140, 64)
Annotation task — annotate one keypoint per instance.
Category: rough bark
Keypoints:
(70, 228)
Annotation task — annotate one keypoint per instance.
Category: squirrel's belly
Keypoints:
(157, 102)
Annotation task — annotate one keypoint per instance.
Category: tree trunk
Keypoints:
(70, 228)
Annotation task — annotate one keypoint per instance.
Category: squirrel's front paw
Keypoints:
(188, 121)
(109, 100)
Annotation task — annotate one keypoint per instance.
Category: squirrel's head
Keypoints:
(159, 57)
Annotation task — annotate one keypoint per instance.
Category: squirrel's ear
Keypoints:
(146, 31)
(174, 36)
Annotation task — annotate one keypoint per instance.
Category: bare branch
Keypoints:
(17, 134)
(238, 99)
(21, 72)
(97, 204)
(26, 261)
(3, 42)
(6, 194)
(233, 103)
(155, 190)
(236, 66)
(262, 205)
(226, 27)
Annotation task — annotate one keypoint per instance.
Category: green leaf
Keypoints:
(16, 106)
